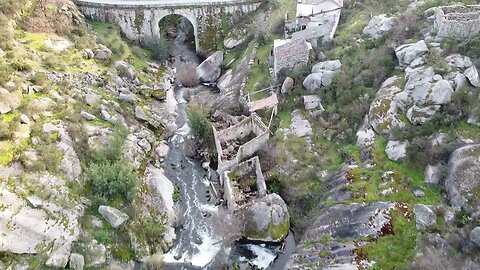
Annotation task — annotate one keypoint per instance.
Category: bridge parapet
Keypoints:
(139, 20)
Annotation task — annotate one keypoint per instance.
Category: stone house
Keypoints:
(458, 22)
(317, 19)
(289, 53)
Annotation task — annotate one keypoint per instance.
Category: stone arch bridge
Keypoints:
(139, 19)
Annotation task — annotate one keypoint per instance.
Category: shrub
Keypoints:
(154, 262)
(109, 175)
(20, 65)
(159, 47)
(198, 118)
(187, 75)
(6, 130)
(471, 48)
(39, 78)
(5, 72)
(6, 36)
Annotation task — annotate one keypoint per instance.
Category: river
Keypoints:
(197, 245)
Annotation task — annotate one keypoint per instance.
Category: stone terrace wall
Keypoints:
(458, 22)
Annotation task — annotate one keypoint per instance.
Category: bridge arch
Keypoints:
(190, 16)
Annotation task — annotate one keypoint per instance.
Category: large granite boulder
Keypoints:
(114, 216)
(475, 236)
(287, 85)
(462, 182)
(77, 261)
(9, 101)
(384, 111)
(125, 70)
(162, 193)
(396, 150)
(61, 254)
(380, 25)
(26, 229)
(340, 224)
(211, 69)
(322, 75)
(409, 52)
(420, 115)
(103, 53)
(266, 219)
(472, 74)
(424, 216)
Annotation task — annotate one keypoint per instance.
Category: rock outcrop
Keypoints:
(379, 26)
(211, 69)
(267, 219)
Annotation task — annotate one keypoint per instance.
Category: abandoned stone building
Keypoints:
(240, 142)
(458, 22)
(317, 19)
(244, 183)
(290, 53)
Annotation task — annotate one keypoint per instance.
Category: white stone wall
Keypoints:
(458, 22)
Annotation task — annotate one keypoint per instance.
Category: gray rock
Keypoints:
(163, 189)
(472, 74)
(441, 93)
(145, 145)
(92, 99)
(125, 70)
(264, 216)
(419, 83)
(130, 97)
(9, 101)
(316, 80)
(87, 116)
(460, 81)
(2, 53)
(77, 262)
(418, 193)
(408, 52)
(96, 254)
(162, 150)
(24, 119)
(432, 174)
(424, 216)
(225, 80)
(60, 255)
(88, 54)
(105, 115)
(334, 65)
(419, 116)
(210, 69)
(35, 201)
(437, 77)
(140, 114)
(114, 216)
(380, 25)
(231, 43)
(384, 114)
(475, 236)
(287, 85)
(103, 53)
(459, 61)
(462, 182)
(396, 150)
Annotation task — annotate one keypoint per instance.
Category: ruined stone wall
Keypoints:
(228, 192)
(241, 130)
(458, 22)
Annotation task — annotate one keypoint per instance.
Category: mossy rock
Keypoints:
(267, 219)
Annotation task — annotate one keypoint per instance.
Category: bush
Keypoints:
(159, 47)
(471, 48)
(187, 75)
(20, 65)
(6, 130)
(155, 262)
(198, 118)
(5, 72)
(39, 78)
(109, 175)
(6, 36)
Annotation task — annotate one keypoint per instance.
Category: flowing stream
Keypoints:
(197, 246)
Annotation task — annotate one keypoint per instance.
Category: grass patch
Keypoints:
(260, 75)
(109, 35)
(394, 251)
(367, 183)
